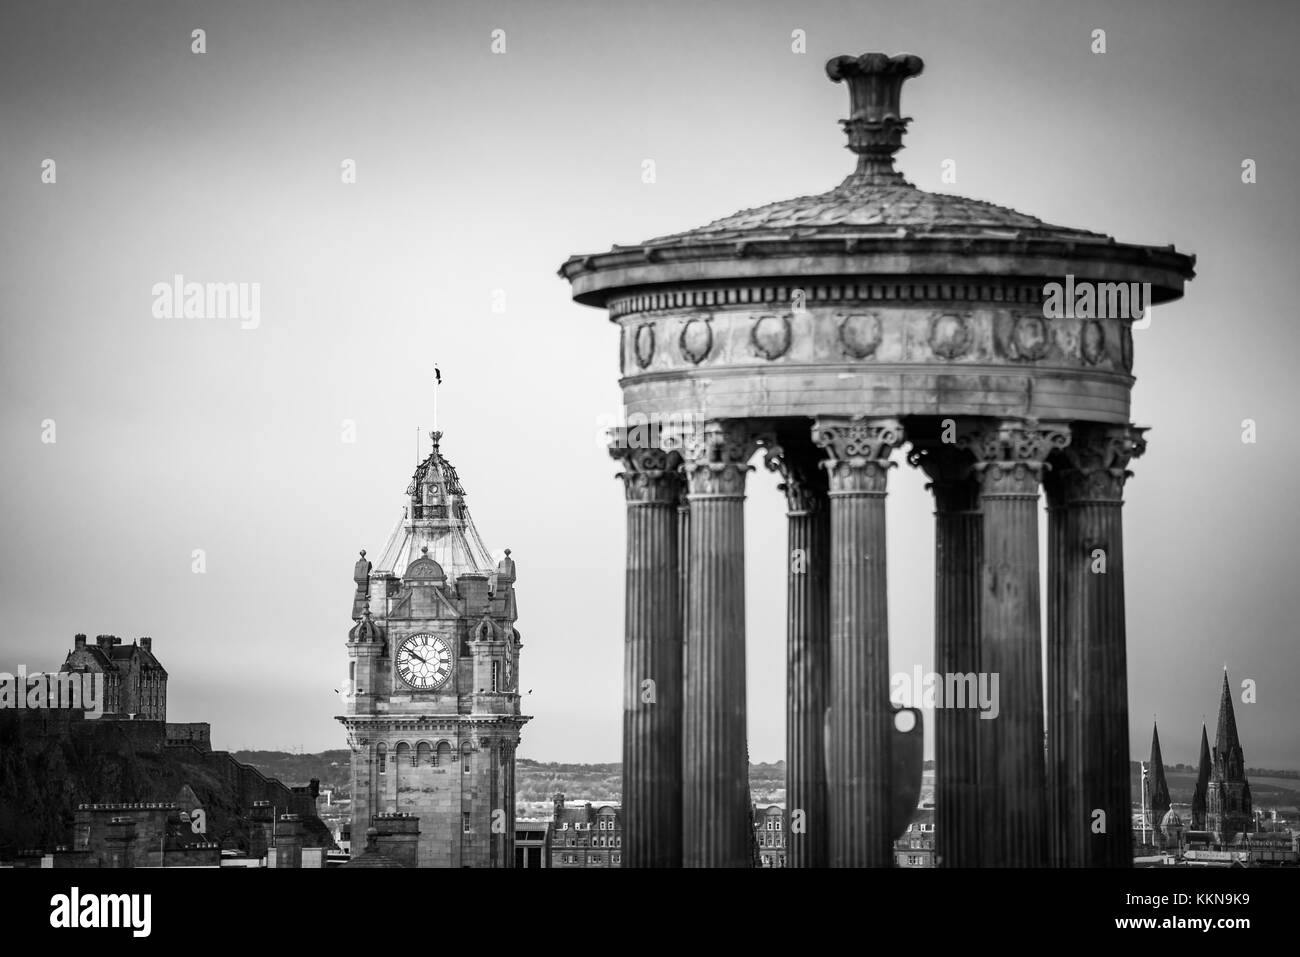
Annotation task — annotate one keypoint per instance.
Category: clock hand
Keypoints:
(418, 658)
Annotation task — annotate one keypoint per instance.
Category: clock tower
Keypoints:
(432, 698)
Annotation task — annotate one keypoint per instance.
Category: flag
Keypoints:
(437, 376)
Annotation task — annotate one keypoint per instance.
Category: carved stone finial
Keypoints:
(361, 577)
(875, 126)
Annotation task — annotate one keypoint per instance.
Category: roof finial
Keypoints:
(875, 125)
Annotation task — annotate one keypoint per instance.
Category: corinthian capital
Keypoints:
(803, 483)
(950, 468)
(650, 476)
(1011, 456)
(716, 458)
(858, 451)
(1095, 466)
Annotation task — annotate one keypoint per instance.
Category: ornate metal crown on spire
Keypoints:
(875, 126)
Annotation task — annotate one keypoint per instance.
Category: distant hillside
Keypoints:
(1267, 788)
(534, 780)
(331, 768)
(538, 781)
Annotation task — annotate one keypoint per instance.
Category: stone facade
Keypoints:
(138, 835)
(135, 683)
(432, 705)
(586, 835)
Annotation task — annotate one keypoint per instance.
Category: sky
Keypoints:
(477, 175)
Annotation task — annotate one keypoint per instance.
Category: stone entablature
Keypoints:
(979, 335)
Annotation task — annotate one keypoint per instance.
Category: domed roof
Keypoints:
(875, 201)
(870, 210)
(365, 629)
(875, 212)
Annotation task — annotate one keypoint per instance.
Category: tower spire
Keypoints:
(1202, 783)
(1160, 800)
(1225, 738)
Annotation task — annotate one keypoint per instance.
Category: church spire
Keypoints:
(1159, 786)
(1229, 761)
(1225, 739)
(1202, 783)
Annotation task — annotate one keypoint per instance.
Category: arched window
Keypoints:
(381, 754)
(404, 754)
(424, 754)
(442, 757)
(464, 757)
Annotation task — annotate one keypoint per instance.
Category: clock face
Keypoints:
(424, 662)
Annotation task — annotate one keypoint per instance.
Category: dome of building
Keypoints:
(875, 219)
(436, 527)
(865, 209)
(366, 629)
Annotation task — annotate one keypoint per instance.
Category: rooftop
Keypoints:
(438, 519)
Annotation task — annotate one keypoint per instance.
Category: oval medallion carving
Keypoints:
(696, 339)
(1092, 342)
(1029, 338)
(860, 335)
(949, 336)
(644, 344)
(771, 336)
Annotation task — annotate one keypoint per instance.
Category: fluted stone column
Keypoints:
(958, 547)
(807, 653)
(652, 675)
(716, 830)
(1087, 661)
(1063, 786)
(683, 558)
(860, 720)
(1011, 457)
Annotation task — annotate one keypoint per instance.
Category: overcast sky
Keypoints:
(479, 172)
